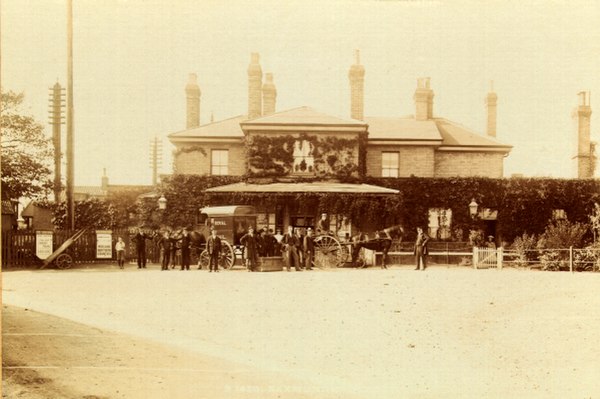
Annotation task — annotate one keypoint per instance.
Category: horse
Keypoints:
(381, 243)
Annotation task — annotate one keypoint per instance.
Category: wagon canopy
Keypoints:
(231, 210)
(312, 187)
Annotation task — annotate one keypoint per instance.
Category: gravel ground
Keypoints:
(443, 332)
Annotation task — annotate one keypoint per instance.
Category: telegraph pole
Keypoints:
(70, 152)
(56, 110)
(155, 158)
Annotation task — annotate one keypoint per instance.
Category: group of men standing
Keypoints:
(168, 245)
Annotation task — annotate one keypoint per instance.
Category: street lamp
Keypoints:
(473, 208)
(162, 203)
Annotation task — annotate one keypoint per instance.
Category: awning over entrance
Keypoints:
(314, 187)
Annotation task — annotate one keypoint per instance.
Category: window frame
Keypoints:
(220, 166)
(390, 169)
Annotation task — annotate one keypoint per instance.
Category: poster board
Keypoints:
(104, 244)
(43, 244)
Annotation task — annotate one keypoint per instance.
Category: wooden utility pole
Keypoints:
(70, 152)
(56, 109)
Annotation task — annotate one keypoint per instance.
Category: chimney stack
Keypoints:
(269, 93)
(490, 101)
(254, 87)
(357, 85)
(583, 154)
(423, 100)
(192, 94)
(104, 181)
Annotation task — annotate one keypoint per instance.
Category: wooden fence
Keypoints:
(19, 248)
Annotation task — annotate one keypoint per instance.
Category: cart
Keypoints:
(231, 223)
(62, 260)
(329, 252)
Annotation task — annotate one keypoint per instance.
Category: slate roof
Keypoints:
(303, 116)
(389, 128)
(437, 131)
(225, 128)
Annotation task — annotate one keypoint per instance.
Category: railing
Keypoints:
(19, 248)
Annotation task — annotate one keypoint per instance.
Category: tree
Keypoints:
(26, 152)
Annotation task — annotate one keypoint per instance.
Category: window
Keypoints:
(440, 221)
(219, 162)
(389, 164)
(304, 162)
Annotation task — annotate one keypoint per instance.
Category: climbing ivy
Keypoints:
(332, 156)
(523, 205)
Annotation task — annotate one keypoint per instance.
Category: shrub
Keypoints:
(557, 237)
(588, 258)
(563, 234)
(554, 260)
(525, 246)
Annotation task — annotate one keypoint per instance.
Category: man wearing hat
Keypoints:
(213, 247)
(420, 251)
(185, 250)
(323, 224)
(309, 249)
(250, 242)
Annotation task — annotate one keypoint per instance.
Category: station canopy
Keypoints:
(313, 187)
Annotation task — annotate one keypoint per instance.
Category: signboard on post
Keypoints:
(103, 244)
(43, 244)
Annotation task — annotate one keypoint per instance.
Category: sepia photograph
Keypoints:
(367, 199)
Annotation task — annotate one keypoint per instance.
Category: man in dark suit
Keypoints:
(291, 244)
(420, 251)
(213, 247)
(185, 250)
(250, 242)
(309, 249)
(140, 245)
(166, 244)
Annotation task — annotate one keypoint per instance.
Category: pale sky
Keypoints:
(132, 59)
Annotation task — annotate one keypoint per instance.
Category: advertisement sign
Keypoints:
(43, 244)
(103, 244)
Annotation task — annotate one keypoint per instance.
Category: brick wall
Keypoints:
(417, 161)
(463, 164)
(195, 162)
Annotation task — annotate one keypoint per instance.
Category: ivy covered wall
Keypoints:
(330, 155)
(523, 205)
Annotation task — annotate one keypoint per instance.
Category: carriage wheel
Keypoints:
(63, 261)
(204, 260)
(227, 255)
(328, 252)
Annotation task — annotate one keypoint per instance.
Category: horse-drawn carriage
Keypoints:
(232, 223)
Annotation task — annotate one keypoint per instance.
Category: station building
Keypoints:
(300, 148)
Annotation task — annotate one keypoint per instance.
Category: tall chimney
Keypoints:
(423, 100)
(490, 101)
(254, 87)
(357, 88)
(269, 93)
(583, 154)
(104, 180)
(192, 94)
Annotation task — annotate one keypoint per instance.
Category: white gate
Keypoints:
(484, 258)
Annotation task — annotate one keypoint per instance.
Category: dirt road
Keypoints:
(454, 332)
